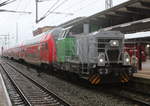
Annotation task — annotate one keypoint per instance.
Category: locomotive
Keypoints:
(99, 57)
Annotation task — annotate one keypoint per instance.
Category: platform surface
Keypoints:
(4, 98)
(146, 66)
(145, 72)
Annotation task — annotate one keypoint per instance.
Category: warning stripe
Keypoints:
(91, 78)
(97, 81)
(125, 79)
(94, 80)
(122, 80)
(126, 76)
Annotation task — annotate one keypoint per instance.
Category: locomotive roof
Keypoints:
(107, 34)
(104, 34)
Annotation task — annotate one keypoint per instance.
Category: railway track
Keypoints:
(131, 94)
(128, 93)
(30, 92)
(16, 96)
(137, 95)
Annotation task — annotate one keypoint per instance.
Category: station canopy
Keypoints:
(129, 17)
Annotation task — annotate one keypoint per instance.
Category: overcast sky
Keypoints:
(26, 22)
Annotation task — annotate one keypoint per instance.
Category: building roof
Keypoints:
(129, 17)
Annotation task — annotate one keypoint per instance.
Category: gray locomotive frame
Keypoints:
(87, 48)
(91, 47)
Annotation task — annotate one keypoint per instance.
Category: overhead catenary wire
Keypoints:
(51, 11)
(43, 0)
(38, 20)
(3, 10)
(6, 2)
(13, 11)
(81, 8)
(52, 7)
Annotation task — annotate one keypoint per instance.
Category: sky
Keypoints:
(24, 24)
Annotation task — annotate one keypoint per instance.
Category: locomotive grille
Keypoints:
(113, 55)
(104, 46)
(101, 44)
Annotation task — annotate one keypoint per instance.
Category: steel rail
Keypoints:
(23, 97)
(117, 92)
(131, 89)
(62, 101)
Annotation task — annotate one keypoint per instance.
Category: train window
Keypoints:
(62, 34)
(70, 35)
(65, 33)
(57, 32)
(46, 45)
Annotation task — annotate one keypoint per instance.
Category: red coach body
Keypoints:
(40, 50)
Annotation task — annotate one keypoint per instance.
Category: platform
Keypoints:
(145, 72)
(143, 76)
(4, 98)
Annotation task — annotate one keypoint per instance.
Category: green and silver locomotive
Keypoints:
(99, 57)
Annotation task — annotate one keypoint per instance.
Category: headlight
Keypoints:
(114, 43)
(126, 58)
(101, 59)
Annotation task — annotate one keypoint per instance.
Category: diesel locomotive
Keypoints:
(99, 57)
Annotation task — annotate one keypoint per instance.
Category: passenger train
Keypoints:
(99, 57)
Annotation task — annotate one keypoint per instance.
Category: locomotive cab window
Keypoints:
(65, 33)
(70, 35)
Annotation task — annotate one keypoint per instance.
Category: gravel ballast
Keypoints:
(74, 94)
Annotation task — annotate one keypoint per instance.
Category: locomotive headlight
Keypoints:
(114, 43)
(101, 59)
(126, 58)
